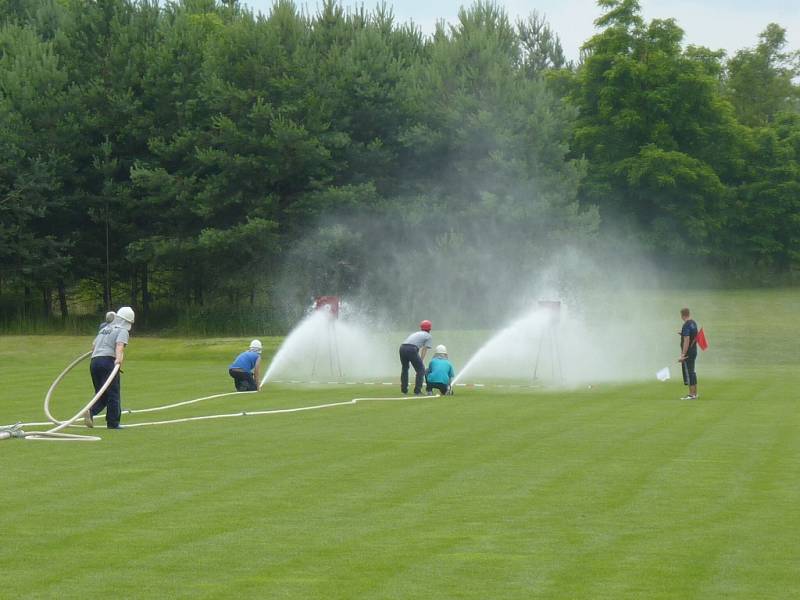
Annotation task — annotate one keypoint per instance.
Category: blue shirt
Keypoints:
(689, 330)
(246, 361)
(440, 371)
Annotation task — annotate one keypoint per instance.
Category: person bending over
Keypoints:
(412, 351)
(245, 369)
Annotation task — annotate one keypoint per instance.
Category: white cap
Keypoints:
(256, 346)
(441, 349)
(124, 318)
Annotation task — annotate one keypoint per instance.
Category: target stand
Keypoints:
(548, 341)
(330, 306)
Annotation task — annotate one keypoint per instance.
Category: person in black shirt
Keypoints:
(688, 335)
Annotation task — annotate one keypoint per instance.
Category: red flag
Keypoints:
(701, 340)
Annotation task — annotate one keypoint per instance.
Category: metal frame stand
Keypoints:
(334, 360)
(551, 336)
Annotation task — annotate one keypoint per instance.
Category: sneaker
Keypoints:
(694, 396)
(688, 397)
(87, 419)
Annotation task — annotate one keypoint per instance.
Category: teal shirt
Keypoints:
(440, 371)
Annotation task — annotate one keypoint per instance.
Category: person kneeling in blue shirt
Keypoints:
(245, 369)
(440, 372)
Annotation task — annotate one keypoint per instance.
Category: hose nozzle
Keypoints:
(11, 431)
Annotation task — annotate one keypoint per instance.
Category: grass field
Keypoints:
(610, 492)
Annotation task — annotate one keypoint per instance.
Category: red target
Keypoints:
(329, 304)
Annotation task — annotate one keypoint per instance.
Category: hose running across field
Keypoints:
(55, 433)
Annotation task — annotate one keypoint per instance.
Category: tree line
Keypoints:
(196, 155)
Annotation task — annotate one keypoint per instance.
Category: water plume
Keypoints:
(574, 348)
(324, 348)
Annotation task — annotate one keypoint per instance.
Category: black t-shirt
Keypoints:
(689, 330)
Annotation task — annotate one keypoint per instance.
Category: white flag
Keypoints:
(663, 374)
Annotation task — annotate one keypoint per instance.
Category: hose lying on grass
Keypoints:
(56, 433)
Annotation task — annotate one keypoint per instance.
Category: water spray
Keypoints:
(330, 343)
(329, 306)
(517, 341)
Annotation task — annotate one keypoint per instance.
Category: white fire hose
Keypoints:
(56, 434)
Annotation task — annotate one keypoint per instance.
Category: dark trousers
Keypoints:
(244, 381)
(687, 366)
(409, 354)
(442, 387)
(100, 368)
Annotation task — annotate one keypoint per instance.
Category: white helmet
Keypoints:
(126, 313)
(441, 349)
(255, 345)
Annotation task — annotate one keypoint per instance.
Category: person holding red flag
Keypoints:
(688, 356)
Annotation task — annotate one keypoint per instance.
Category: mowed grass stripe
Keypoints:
(484, 434)
(614, 492)
(691, 494)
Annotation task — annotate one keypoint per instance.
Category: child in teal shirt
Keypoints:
(440, 372)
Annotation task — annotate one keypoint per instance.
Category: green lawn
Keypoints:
(611, 492)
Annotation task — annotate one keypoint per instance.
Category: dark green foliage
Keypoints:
(667, 156)
(760, 80)
(647, 113)
(187, 156)
(766, 223)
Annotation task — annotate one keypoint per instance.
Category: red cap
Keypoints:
(425, 325)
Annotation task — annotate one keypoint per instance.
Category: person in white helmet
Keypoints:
(440, 372)
(245, 369)
(108, 350)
